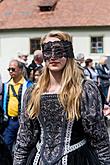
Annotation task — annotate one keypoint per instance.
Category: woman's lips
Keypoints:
(54, 63)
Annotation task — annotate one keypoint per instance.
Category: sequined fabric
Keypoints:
(53, 128)
(50, 130)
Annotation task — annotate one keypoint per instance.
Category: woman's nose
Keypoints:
(53, 55)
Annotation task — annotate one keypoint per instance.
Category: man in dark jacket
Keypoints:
(104, 75)
(36, 62)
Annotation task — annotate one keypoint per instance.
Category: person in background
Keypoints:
(13, 99)
(23, 58)
(106, 111)
(107, 105)
(108, 96)
(1, 110)
(2, 122)
(5, 154)
(80, 59)
(62, 120)
(37, 73)
(1, 84)
(104, 75)
(36, 62)
(90, 72)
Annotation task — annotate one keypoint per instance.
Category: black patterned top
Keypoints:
(55, 136)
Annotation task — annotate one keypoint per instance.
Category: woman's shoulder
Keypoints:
(88, 83)
(28, 92)
(91, 95)
(89, 87)
(91, 102)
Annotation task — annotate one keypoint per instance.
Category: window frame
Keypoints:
(38, 47)
(96, 48)
(47, 5)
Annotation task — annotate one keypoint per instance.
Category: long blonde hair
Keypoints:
(71, 87)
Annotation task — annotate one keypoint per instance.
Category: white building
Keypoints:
(23, 22)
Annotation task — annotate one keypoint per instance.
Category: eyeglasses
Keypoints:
(11, 69)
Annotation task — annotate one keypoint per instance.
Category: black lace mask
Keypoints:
(58, 49)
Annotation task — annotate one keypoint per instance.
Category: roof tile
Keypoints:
(68, 13)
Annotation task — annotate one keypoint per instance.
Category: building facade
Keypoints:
(24, 22)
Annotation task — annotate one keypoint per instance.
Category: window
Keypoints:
(96, 44)
(34, 45)
(47, 5)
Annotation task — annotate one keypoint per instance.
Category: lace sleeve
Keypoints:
(27, 134)
(94, 123)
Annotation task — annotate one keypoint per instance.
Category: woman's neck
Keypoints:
(54, 85)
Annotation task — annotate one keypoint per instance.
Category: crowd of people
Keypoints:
(99, 73)
(54, 113)
(11, 99)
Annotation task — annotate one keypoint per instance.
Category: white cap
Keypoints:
(79, 56)
(37, 52)
(20, 54)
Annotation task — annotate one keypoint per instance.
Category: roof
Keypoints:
(46, 2)
(15, 14)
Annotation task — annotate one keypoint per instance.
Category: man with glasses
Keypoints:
(12, 100)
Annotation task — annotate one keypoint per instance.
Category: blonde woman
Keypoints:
(62, 121)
